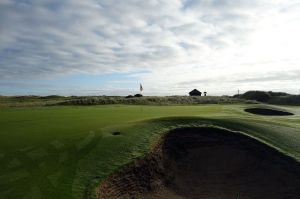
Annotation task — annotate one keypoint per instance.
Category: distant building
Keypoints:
(195, 92)
(205, 93)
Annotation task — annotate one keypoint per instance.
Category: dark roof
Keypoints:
(195, 91)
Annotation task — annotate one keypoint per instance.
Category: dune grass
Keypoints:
(64, 152)
(54, 100)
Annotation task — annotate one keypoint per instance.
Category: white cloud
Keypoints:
(176, 40)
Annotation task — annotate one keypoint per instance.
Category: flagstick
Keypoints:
(142, 109)
(141, 106)
(141, 89)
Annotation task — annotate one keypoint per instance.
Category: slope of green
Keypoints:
(64, 152)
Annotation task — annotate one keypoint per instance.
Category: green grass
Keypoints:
(64, 152)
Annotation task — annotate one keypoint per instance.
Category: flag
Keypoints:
(141, 88)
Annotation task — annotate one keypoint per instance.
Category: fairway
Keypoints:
(65, 152)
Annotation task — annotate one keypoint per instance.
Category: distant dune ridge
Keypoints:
(278, 98)
(250, 97)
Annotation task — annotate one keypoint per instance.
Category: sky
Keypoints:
(109, 47)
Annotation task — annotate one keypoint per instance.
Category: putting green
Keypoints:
(65, 152)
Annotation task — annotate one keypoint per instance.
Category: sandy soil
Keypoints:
(206, 163)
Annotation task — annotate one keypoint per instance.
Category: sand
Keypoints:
(206, 163)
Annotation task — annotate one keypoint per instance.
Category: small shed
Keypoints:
(195, 92)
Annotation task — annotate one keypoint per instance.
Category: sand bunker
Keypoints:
(206, 163)
(266, 111)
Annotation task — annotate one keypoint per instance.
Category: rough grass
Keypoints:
(31, 101)
(168, 100)
(65, 152)
(293, 100)
(277, 98)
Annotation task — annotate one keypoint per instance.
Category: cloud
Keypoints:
(250, 78)
(277, 81)
(292, 76)
(177, 39)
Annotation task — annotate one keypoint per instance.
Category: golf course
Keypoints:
(158, 99)
(74, 151)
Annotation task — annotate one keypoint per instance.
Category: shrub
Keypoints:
(259, 96)
(277, 94)
(286, 100)
(138, 95)
(129, 96)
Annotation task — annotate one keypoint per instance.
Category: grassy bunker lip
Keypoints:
(267, 111)
(206, 162)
